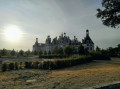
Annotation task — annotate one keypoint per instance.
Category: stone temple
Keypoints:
(62, 41)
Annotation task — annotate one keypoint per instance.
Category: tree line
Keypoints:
(66, 51)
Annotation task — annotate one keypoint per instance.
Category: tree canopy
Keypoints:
(110, 15)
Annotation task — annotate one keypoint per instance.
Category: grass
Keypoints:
(80, 76)
(115, 58)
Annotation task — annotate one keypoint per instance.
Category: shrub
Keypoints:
(20, 65)
(11, 66)
(35, 64)
(4, 67)
(16, 65)
(98, 55)
(26, 64)
(51, 56)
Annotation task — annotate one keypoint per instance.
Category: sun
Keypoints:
(12, 33)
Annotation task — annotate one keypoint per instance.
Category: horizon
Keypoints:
(33, 19)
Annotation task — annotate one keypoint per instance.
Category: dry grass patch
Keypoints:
(81, 76)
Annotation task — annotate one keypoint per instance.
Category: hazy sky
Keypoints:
(40, 18)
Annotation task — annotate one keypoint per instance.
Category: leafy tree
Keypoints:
(97, 48)
(110, 15)
(36, 52)
(28, 53)
(4, 52)
(21, 53)
(118, 47)
(60, 51)
(0, 54)
(45, 53)
(81, 49)
(40, 52)
(13, 53)
(86, 51)
(49, 52)
(55, 50)
(68, 50)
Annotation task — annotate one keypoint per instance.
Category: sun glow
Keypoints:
(12, 33)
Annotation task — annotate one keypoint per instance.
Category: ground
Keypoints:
(77, 77)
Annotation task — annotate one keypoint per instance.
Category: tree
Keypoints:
(49, 52)
(35, 52)
(55, 50)
(40, 52)
(4, 52)
(27, 53)
(118, 47)
(45, 53)
(60, 51)
(21, 53)
(68, 50)
(97, 48)
(13, 53)
(110, 15)
(81, 49)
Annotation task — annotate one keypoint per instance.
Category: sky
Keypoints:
(40, 18)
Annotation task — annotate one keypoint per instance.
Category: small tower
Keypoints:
(87, 32)
(36, 40)
(64, 34)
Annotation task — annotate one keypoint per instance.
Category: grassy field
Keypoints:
(77, 77)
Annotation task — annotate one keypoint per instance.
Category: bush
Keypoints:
(49, 64)
(35, 64)
(4, 67)
(98, 55)
(11, 66)
(16, 65)
(62, 63)
(20, 65)
(51, 56)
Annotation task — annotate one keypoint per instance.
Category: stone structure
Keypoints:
(87, 42)
(62, 41)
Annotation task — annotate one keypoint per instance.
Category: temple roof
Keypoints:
(87, 39)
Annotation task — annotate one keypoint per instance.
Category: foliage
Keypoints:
(40, 52)
(97, 48)
(49, 52)
(16, 65)
(27, 53)
(55, 50)
(68, 50)
(45, 53)
(50, 64)
(13, 53)
(4, 67)
(4, 52)
(35, 52)
(110, 15)
(99, 55)
(81, 50)
(52, 56)
(11, 66)
(21, 53)
(60, 51)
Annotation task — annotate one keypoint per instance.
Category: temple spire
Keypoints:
(87, 32)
